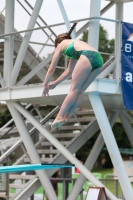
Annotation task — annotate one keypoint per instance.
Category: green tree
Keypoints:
(120, 136)
(4, 117)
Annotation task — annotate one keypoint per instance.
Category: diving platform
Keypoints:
(108, 89)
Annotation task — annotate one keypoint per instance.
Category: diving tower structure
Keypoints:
(21, 89)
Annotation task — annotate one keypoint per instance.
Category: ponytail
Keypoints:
(72, 28)
(64, 36)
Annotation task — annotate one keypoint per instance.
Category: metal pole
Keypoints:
(53, 25)
(116, 188)
(111, 144)
(91, 160)
(118, 16)
(9, 42)
(25, 42)
(94, 24)
(35, 70)
(2, 10)
(64, 189)
(10, 121)
(29, 145)
(40, 18)
(119, 11)
(62, 9)
(106, 8)
(2, 81)
(62, 149)
(128, 115)
(7, 180)
(127, 127)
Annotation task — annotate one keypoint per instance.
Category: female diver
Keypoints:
(84, 66)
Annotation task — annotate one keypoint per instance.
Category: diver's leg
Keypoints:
(94, 73)
(80, 74)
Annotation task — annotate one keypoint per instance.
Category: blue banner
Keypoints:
(127, 65)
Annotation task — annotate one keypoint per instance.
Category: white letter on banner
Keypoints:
(128, 47)
(128, 77)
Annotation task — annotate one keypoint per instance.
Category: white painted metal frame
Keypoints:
(101, 114)
(23, 92)
(91, 160)
(29, 145)
(125, 117)
(94, 24)
(61, 148)
(35, 70)
(11, 120)
(2, 81)
(119, 16)
(30, 132)
(2, 10)
(94, 21)
(106, 8)
(24, 45)
(9, 42)
(65, 17)
(108, 70)
(111, 144)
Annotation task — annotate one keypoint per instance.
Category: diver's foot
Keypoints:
(65, 118)
(58, 123)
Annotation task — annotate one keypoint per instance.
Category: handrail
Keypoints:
(107, 63)
(38, 16)
(44, 120)
(9, 122)
(53, 25)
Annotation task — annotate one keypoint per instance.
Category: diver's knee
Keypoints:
(74, 90)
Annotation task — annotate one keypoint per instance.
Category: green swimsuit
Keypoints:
(94, 57)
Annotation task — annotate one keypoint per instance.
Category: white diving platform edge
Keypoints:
(109, 90)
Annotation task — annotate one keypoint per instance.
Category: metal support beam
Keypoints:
(66, 20)
(118, 16)
(25, 42)
(11, 120)
(95, 8)
(107, 70)
(40, 18)
(2, 10)
(94, 24)
(35, 70)
(86, 25)
(91, 160)
(106, 8)
(119, 11)
(62, 149)
(9, 42)
(43, 121)
(128, 115)
(29, 145)
(2, 81)
(127, 127)
(111, 144)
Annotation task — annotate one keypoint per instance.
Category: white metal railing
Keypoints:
(44, 50)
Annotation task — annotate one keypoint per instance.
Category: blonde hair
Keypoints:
(64, 36)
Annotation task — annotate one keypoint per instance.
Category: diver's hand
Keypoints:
(51, 85)
(45, 91)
